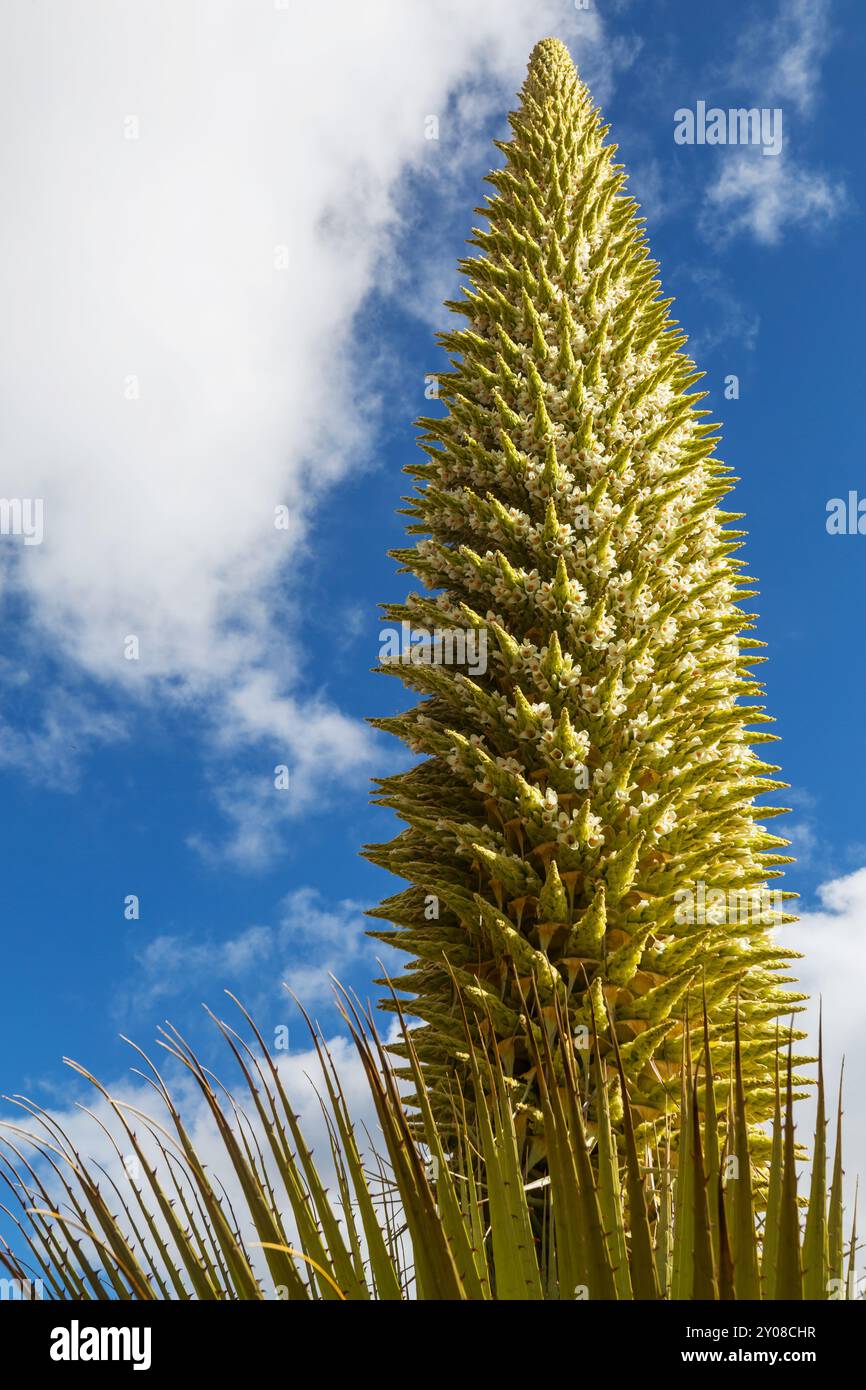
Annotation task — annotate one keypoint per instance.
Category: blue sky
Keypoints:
(229, 307)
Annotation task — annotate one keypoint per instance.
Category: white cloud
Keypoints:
(310, 942)
(317, 744)
(318, 941)
(171, 965)
(833, 940)
(804, 841)
(777, 64)
(726, 318)
(767, 197)
(150, 267)
(781, 55)
(650, 183)
(49, 752)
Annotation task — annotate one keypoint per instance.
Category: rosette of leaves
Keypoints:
(409, 1215)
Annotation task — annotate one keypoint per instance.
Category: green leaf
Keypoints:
(744, 1242)
(835, 1233)
(789, 1284)
(816, 1253)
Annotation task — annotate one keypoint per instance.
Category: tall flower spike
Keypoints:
(583, 828)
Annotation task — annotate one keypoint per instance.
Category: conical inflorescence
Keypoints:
(581, 831)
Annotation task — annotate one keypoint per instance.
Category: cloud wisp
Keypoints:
(832, 938)
(777, 66)
(198, 202)
(311, 942)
